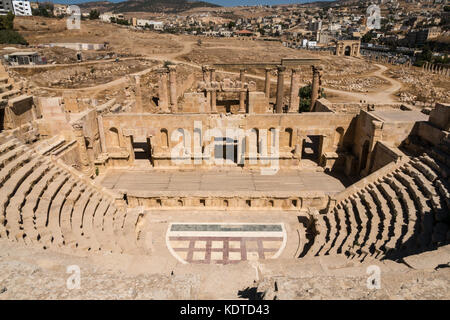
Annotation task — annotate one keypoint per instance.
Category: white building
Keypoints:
(6, 6)
(157, 25)
(22, 8)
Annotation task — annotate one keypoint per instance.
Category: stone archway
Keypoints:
(347, 51)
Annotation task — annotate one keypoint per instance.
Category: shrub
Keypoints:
(11, 37)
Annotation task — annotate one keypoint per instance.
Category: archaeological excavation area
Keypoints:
(218, 173)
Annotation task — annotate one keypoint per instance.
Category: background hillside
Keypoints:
(168, 6)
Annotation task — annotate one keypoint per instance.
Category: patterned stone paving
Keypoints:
(295, 181)
(225, 243)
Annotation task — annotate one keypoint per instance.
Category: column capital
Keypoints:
(281, 68)
(162, 70)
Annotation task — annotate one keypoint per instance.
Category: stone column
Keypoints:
(280, 89)
(207, 80)
(129, 146)
(162, 91)
(101, 132)
(267, 83)
(82, 150)
(213, 92)
(315, 88)
(294, 101)
(138, 94)
(243, 92)
(173, 88)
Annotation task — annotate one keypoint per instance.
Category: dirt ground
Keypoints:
(344, 78)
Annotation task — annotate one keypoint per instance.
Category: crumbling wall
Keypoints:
(19, 111)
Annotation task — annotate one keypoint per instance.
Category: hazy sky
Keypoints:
(228, 3)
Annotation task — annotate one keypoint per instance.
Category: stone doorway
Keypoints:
(364, 156)
(348, 51)
(227, 149)
(2, 119)
(142, 154)
(312, 148)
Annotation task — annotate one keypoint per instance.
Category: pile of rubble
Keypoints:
(88, 75)
(354, 84)
(421, 86)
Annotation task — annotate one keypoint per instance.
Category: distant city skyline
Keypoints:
(225, 3)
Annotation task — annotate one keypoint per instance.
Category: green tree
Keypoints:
(7, 21)
(367, 37)
(305, 98)
(94, 14)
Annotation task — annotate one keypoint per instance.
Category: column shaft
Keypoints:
(163, 103)
(242, 94)
(315, 88)
(294, 101)
(173, 88)
(214, 92)
(280, 89)
(267, 84)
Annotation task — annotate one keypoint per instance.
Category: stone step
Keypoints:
(55, 237)
(397, 215)
(351, 239)
(333, 232)
(361, 220)
(383, 214)
(31, 203)
(405, 188)
(342, 233)
(9, 156)
(440, 156)
(421, 181)
(439, 168)
(118, 223)
(9, 189)
(69, 236)
(4, 80)
(407, 204)
(87, 222)
(77, 218)
(108, 228)
(43, 211)
(15, 207)
(374, 219)
(5, 87)
(8, 146)
(424, 169)
(418, 196)
(429, 190)
(106, 240)
(47, 146)
(9, 94)
(319, 238)
(129, 235)
(303, 240)
(444, 191)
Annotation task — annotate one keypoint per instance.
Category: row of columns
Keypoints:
(294, 101)
(436, 69)
(209, 75)
(167, 87)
